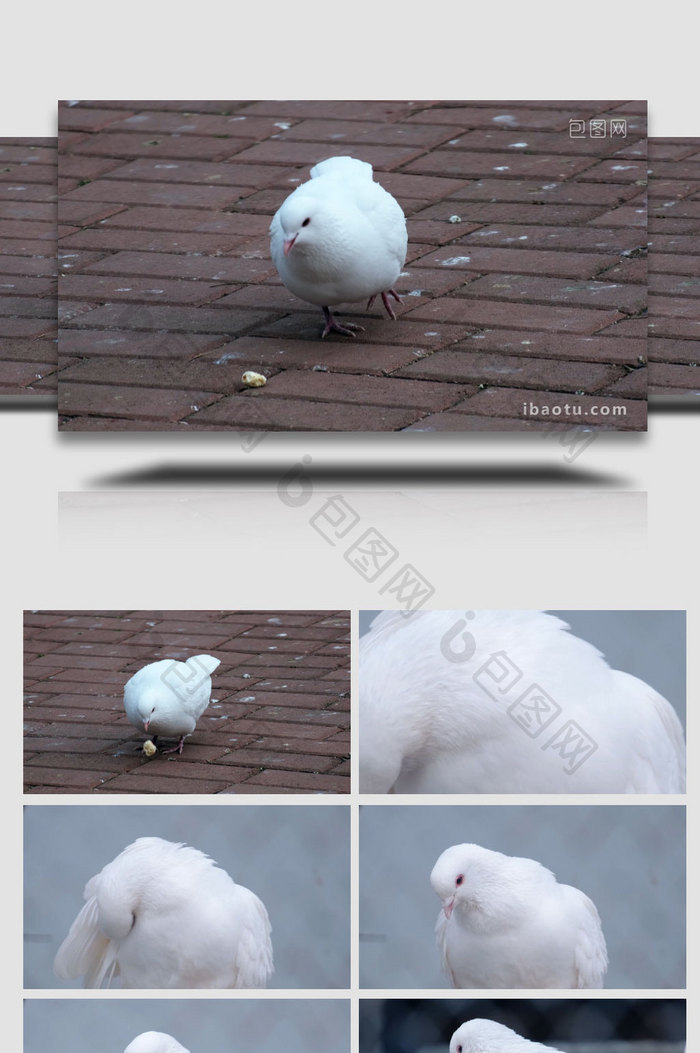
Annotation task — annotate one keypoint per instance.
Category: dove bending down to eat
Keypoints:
(165, 915)
(168, 697)
(507, 922)
(155, 1042)
(496, 701)
(487, 1036)
(338, 238)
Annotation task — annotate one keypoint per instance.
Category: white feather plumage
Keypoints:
(155, 1042)
(507, 923)
(487, 1036)
(338, 238)
(432, 721)
(168, 697)
(164, 915)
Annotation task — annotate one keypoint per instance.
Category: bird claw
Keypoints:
(385, 300)
(332, 326)
(175, 749)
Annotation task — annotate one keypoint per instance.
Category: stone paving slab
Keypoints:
(278, 722)
(674, 267)
(520, 234)
(28, 276)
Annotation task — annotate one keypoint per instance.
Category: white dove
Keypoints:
(155, 1042)
(169, 697)
(506, 922)
(165, 915)
(496, 701)
(486, 1036)
(338, 238)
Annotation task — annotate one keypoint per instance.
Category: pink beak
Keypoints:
(146, 723)
(288, 245)
(448, 907)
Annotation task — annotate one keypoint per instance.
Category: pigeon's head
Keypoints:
(480, 1036)
(149, 705)
(304, 224)
(466, 876)
(154, 1042)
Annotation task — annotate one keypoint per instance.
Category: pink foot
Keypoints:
(349, 329)
(176, 749)
(385, 300)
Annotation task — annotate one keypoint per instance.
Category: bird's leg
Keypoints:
(178, 748)
(385, 300)
(349, 329)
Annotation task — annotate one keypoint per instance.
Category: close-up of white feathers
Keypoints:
(507, 923)
(164, 915)
(339, 238)
(506, 702)
(155, 1042)
(488, 1036)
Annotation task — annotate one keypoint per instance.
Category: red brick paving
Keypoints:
(28, 332)
(280, 722)
(674, 267)
(525, 267)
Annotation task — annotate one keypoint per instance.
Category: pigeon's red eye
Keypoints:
(459, 881)
(306, 222)
(459, 1049)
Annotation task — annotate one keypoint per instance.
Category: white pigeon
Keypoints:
(168, 697)
(165, 915)
(496, 701)
(507, 922)
(155, 1042)
(338, 238)
(487, 1036)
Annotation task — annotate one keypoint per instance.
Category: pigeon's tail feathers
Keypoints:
(203, 663)
(254, 964)
(86, 951)
(344, 167)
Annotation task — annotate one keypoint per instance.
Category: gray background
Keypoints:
(630, 860)
(201, 1026)
(296, 859)
(647, 644)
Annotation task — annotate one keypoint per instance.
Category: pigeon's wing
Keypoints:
(253, 962)
(656, 736)
(86, 951)
(198, 693)
(441, 940)
(590, 953)
(386, 216)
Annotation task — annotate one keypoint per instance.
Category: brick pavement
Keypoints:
(280, 722)
(674, 267)
(28, 355)
(525, 281)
